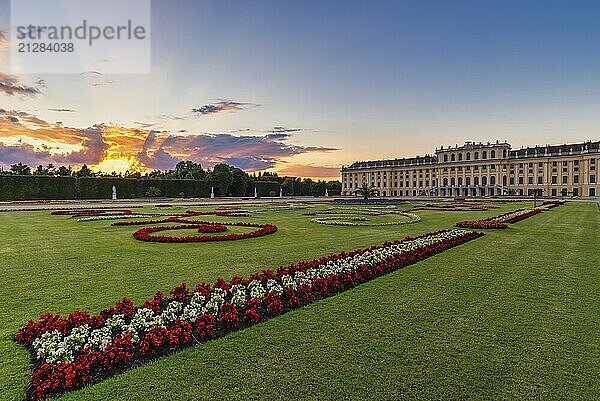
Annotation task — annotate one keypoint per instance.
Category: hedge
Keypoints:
(18, 187)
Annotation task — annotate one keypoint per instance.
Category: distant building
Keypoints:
(483, 169)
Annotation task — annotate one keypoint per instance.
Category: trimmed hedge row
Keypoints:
(15, 187)
(27, 187)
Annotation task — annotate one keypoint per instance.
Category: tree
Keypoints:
(288, 186)
(84, 171)
(222, 178)
(190, 170)
(153, 192)
(366, 191)
(20, 169)
(64, 171)
(239, 185)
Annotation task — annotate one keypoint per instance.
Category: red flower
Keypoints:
(228, 316)
(273, 304)
(118, 353)
(180, 293)
(203, 327)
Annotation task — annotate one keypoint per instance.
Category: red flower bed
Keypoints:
(53, 379)
(481, 224)
(90, 212)
(144, 234)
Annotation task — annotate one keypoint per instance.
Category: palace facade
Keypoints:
(483, 169)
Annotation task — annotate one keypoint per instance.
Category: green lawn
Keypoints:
(511, 315)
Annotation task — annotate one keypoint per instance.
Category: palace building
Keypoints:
(483, 169)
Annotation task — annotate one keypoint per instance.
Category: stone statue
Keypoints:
(114, 193)
(212, 192)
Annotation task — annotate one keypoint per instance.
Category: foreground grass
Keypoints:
(512, 315)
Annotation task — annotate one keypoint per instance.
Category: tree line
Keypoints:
(187, 179)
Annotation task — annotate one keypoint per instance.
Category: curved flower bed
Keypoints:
(345, 220)
(103, 217)
(80, 349)
(90, 212)
(501, 221)
(145, 234)
(481, 224)
(515, 216)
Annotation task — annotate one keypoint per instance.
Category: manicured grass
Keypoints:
(512, 315)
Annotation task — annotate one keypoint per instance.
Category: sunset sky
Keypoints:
(303, 87)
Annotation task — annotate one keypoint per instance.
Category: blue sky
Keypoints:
(370, 79)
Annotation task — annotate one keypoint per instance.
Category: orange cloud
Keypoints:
(28, 139)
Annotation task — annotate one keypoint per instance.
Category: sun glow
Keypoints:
(116, 165)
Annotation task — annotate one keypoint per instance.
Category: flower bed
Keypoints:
(90, 212)
(145, 234)
(112, 217)
(500, 221)
(515, 216)
(82, 349)
(481, 224)
(344, 220)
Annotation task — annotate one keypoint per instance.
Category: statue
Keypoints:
(326, 192)
(114, 193)
(280, 192)
(255, 193)
(212, 192)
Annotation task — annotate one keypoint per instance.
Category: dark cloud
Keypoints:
(246, 152)
(277, 137)
(285, 129)
(23, 153)
(62, 110)
(170, 117)
(224, 106)
(10, 85)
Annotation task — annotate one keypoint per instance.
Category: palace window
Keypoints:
(540, 178)
(554, 164)
(484, 154)
(460, 157)
(554, 179)
(592, 178)
(530, 180)
(476, 155)
(592, 191)
(575, 179)
(564, 179)
(445, 158)
(453, 157)
(468, 155)
(520, 180)
(493, 154)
